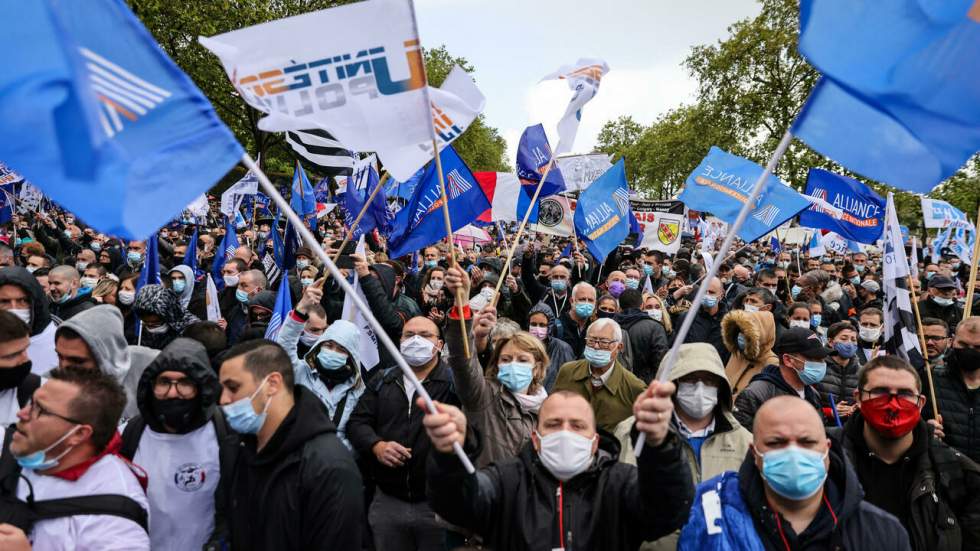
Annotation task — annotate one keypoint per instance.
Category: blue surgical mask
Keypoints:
(597, 358)
(241, 415)
(795, 291)
(516, 376)
(846, 349)
(813, 371)
(301, 264)
(179, 285)
(740, 339)
(632, 283)
(37, 462)
(584, 309)
(859, 268)
(856, 280)
(793, 472)
(96, 246)
(306, 281)
(134, 257)
(929, 275)
(667, 272)
(331, 359)
(709, 301)
(559, 285)
(431, 263)
(815, 319)
(648, 269)
(241, 296)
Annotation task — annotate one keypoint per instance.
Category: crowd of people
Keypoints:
(133, 421)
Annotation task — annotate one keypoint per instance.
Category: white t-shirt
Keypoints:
(183, 471)
(8, 406)
(41, 351)
(108, 475)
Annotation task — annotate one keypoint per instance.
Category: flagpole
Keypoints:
(968, 307)
(664, 373)
(925, 352)
(379, 331)
(360, 215)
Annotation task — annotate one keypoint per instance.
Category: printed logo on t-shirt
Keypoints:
(189, 477)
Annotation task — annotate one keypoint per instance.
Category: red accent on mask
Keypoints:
(891, 416)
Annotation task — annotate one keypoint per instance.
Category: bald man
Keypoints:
(798, 492)
(707, 323)
(66, 298)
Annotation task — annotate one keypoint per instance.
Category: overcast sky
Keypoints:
(513, 43)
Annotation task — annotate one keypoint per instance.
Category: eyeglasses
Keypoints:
(600, 344)
(185, 387)
(935, 337)
(35, 410)
(878, 392)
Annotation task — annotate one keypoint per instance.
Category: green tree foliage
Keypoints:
(176, 24)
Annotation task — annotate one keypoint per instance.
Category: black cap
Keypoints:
(941, 282)
(797, 340)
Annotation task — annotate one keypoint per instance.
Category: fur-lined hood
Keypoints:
(759, 329)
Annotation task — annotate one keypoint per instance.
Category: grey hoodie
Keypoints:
(101, 327)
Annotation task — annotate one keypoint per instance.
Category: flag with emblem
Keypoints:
(900, 332)
(118, 133)
(583, 79)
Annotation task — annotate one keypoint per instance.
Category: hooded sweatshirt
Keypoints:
(41, 351)
(163, 302)
(185, 295)
(101, 327)
(759, 330)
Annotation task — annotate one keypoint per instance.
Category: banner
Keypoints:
(722, 183)
(900, 336)
(231, 199)
(8, 176)
(602, 215)
(579, 171)
(661, 224)
(940, 214)
(860, 212)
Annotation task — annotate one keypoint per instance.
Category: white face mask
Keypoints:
(565, 454)
(487, 293)
(417, 350)
(656, 314)
(697, 400)
(88, 282)
(869, 334)
(436, 284)
(23, 313)
(126, 297)
(231, 280)
(750, 308)
(159, 330)
(803, 324)
(308, 338)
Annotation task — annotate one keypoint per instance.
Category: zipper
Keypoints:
(561, 516)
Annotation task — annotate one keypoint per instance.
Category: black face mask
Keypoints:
(178, 414)
(334, 376)
(12, 377)
(964, 359)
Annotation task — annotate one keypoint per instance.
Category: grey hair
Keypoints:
(602, 323)
(66, 271)
(259, 278)
(504, 329)
(581, 284)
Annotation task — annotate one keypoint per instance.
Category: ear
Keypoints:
(274, 383)
(595, 443)
(536, 441)
(81, 435)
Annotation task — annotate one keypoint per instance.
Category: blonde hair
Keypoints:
(525, 342)
(665, 319)
(105, 287)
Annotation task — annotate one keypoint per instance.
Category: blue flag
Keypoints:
(284, 303)
(6, 206)
(774, 245)
(303, 199)
(533, 154)
(403, 190)
(863, 210)
(722, 183)
(322, 191)
(118, 133)
(420, 223)
(225, 251)
(263, 202)
(284, 248)
(603, 210)
(190, 257)
(898, 99)
(150, 274)
(352, 202)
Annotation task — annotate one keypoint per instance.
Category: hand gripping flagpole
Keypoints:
(664, 373)
(379, 331)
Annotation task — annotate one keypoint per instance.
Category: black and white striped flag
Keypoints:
(901, 337)
(318, 147)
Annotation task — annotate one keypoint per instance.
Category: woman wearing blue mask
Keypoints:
(191, 296)
(841, 378)
(504, 400)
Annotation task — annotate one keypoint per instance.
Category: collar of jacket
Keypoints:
(582, 372)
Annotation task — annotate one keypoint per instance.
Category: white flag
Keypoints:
(232, 198)
(199, 207)
(211, 299)
(661, 230)
(556, 216)
(900, 328)
(579, 171)
(914, 261)
(583, 79)
(368, 344)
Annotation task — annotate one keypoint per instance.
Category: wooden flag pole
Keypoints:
(925, 353)
(968, 307)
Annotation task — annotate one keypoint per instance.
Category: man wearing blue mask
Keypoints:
(575, 321)
(794, 491)
(64, 289)
(294, 485)
(841, 380)
(555, 294)
(801, 365)
(707, 323)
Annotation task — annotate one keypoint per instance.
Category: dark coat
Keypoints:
(951, 314)
(839, 381)
(943, 491)
(648, 341)
(79, 303)
(707, 328)
(767, 384)
(513, 503)
(960, 409)
(302, 491)
(384, 414)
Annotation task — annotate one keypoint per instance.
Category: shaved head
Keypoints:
(786, 421)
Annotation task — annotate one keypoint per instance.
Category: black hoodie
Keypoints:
(40, 316)
(767, 384)
(191, 358)
(302, 491)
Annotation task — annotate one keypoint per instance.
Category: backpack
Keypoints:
(24, 514)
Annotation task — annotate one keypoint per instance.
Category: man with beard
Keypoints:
(958, 391)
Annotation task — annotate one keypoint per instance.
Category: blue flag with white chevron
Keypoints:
(97, 116)
(602, 215)
(721, 184)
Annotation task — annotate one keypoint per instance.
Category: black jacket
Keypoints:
(383, 413)
(513, 504)
(960, 409)
(707, 328)
(943, 489)
(40, 314)
(378, 291)
(767, 384)
(302, 491)
(839, 381)
(648, 341)
(853, 524)
(951, 314)
(72, 306)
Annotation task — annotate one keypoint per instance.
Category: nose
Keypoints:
(24, 413)
(172, 392)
